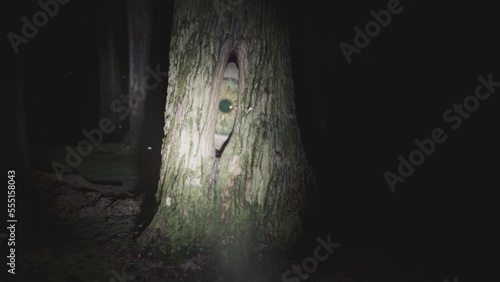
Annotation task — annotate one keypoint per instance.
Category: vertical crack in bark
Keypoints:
(212, 181)
(237, 21)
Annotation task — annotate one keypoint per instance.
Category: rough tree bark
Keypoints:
(109, 63)
(256, 193)
(139, 41)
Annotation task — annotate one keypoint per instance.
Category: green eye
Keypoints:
(225, 106)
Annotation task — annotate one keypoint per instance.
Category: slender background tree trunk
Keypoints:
(24, 206)
(109, 63)
(139, 27)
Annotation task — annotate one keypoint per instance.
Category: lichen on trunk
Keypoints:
(255, 194)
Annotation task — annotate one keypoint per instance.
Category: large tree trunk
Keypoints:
(109, 64)
(256, 192)
(139, 41)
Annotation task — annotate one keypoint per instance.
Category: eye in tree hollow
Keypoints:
(227, 107)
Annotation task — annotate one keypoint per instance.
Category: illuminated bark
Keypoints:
(256, 193)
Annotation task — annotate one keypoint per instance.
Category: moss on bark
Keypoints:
(254, 195)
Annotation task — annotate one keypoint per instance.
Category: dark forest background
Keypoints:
(355, 118)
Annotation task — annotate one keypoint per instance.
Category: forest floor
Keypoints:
(91, 219)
